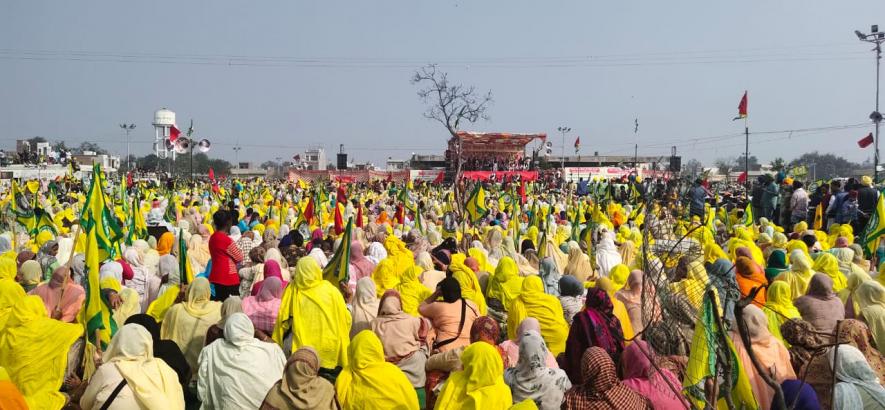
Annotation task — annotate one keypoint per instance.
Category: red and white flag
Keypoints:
(173, 133)
(577, 144)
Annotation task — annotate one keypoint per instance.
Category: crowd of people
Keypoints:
(234, 297)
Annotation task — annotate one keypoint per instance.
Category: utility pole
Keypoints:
(877, 38)
(127, 128)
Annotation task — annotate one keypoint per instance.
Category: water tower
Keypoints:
(163, 121)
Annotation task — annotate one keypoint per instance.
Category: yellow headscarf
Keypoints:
(694, 284)
(506, 284)
(411, 291)
(385, 276)
(828, 264)
(870, 298)
(618, 276)
(7, 268)
(309, 296)
(779, 307)
(480, 385)
(618, 308)
(799, 275)
(533, 302)
(465, 276)
(34, 351)
(481, 258)
(371, 382)
(11, 293)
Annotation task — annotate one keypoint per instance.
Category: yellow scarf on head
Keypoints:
(310, 296)
(34, 350)
(533, 302)
(11, 293)
(506, 284)
(411, 291)
(371, 382)
(465, 276)
(480, 385)
(779, 308)
(828, 264)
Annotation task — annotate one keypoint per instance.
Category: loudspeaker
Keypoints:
(342, 161)
(675, 164)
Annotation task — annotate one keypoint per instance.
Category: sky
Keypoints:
(276, 77)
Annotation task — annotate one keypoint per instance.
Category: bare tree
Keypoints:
(450, 105)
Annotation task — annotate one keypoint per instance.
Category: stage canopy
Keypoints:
(495, 141)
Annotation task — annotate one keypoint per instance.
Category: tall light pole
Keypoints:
(128, 128)
(877, 38)
(237, 148)
(563, 130)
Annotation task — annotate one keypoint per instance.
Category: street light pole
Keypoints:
(128, 128)
(237, 149)
(563, 130)
(877, 38)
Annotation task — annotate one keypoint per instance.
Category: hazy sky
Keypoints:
(276, 77)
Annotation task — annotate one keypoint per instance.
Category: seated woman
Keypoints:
(533, 302)
(655, 385)
(62, 297)
(856, 386)
(231, 305)
(403, 337)
(532, 379)
(596, 326)
(446, 314)
(186, 323)
(263, 308)
(600, 386)
(309, 296)
(129, 362)
(34, 351)
(511, 346)
(367, 378)
(479, 385)
(301, 387)
(238, 371)
(769, 351)
(165, 350)
(820, 306)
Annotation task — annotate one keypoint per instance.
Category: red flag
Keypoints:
(339, 220)
(389, 177)
(341, 194)
(359, 217)
(439, 178)
(742, 107)
(399, 215)
(742, 178)
(173, 133)
(866, 141)
(577, 142)
(308, 211)
(129, 182)
(211, 174)
(522, 192)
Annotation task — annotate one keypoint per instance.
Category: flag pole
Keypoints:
(747, 154)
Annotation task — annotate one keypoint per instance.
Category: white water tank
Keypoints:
(164, 118)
